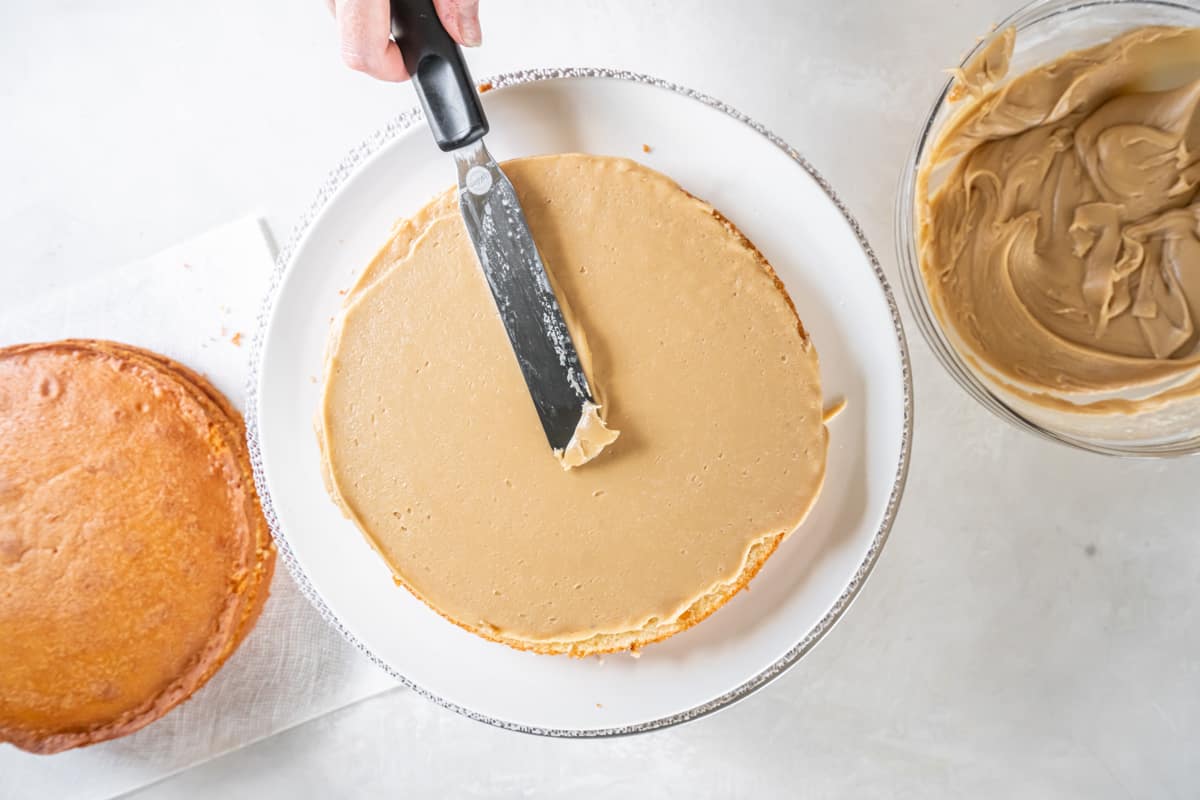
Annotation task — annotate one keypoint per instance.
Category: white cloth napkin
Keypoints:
(190, 303)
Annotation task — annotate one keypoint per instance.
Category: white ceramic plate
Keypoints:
(790, 213)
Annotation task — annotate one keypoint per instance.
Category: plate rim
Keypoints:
(350, 164)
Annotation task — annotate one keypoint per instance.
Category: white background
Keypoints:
(1032, 628)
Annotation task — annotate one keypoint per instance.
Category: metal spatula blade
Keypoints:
(507, 253)
(523, 294)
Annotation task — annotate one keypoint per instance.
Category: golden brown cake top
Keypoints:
(131, 544)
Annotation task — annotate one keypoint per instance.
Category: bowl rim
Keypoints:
(909, 264)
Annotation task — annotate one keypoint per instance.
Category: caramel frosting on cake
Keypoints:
(695, 354)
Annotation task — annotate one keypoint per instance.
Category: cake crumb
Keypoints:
(599, 705)
(837, 407)
(646, 148)
(312, 378)
(236, 339)
(486, 86)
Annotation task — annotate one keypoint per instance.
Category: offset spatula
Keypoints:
(507, 253)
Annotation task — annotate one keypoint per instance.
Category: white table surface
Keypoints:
(1032, 628)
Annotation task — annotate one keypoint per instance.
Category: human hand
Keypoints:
(365, 27)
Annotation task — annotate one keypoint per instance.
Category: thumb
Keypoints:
(461, 20)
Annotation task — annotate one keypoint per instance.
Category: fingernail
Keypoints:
(468, 25)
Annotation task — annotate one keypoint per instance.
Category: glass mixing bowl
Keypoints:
(1046, 30)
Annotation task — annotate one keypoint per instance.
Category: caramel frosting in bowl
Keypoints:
(1059, 222)
(694, 353)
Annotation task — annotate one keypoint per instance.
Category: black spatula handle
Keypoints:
(439, 73)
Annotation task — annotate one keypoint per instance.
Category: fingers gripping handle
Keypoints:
(439, 73)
